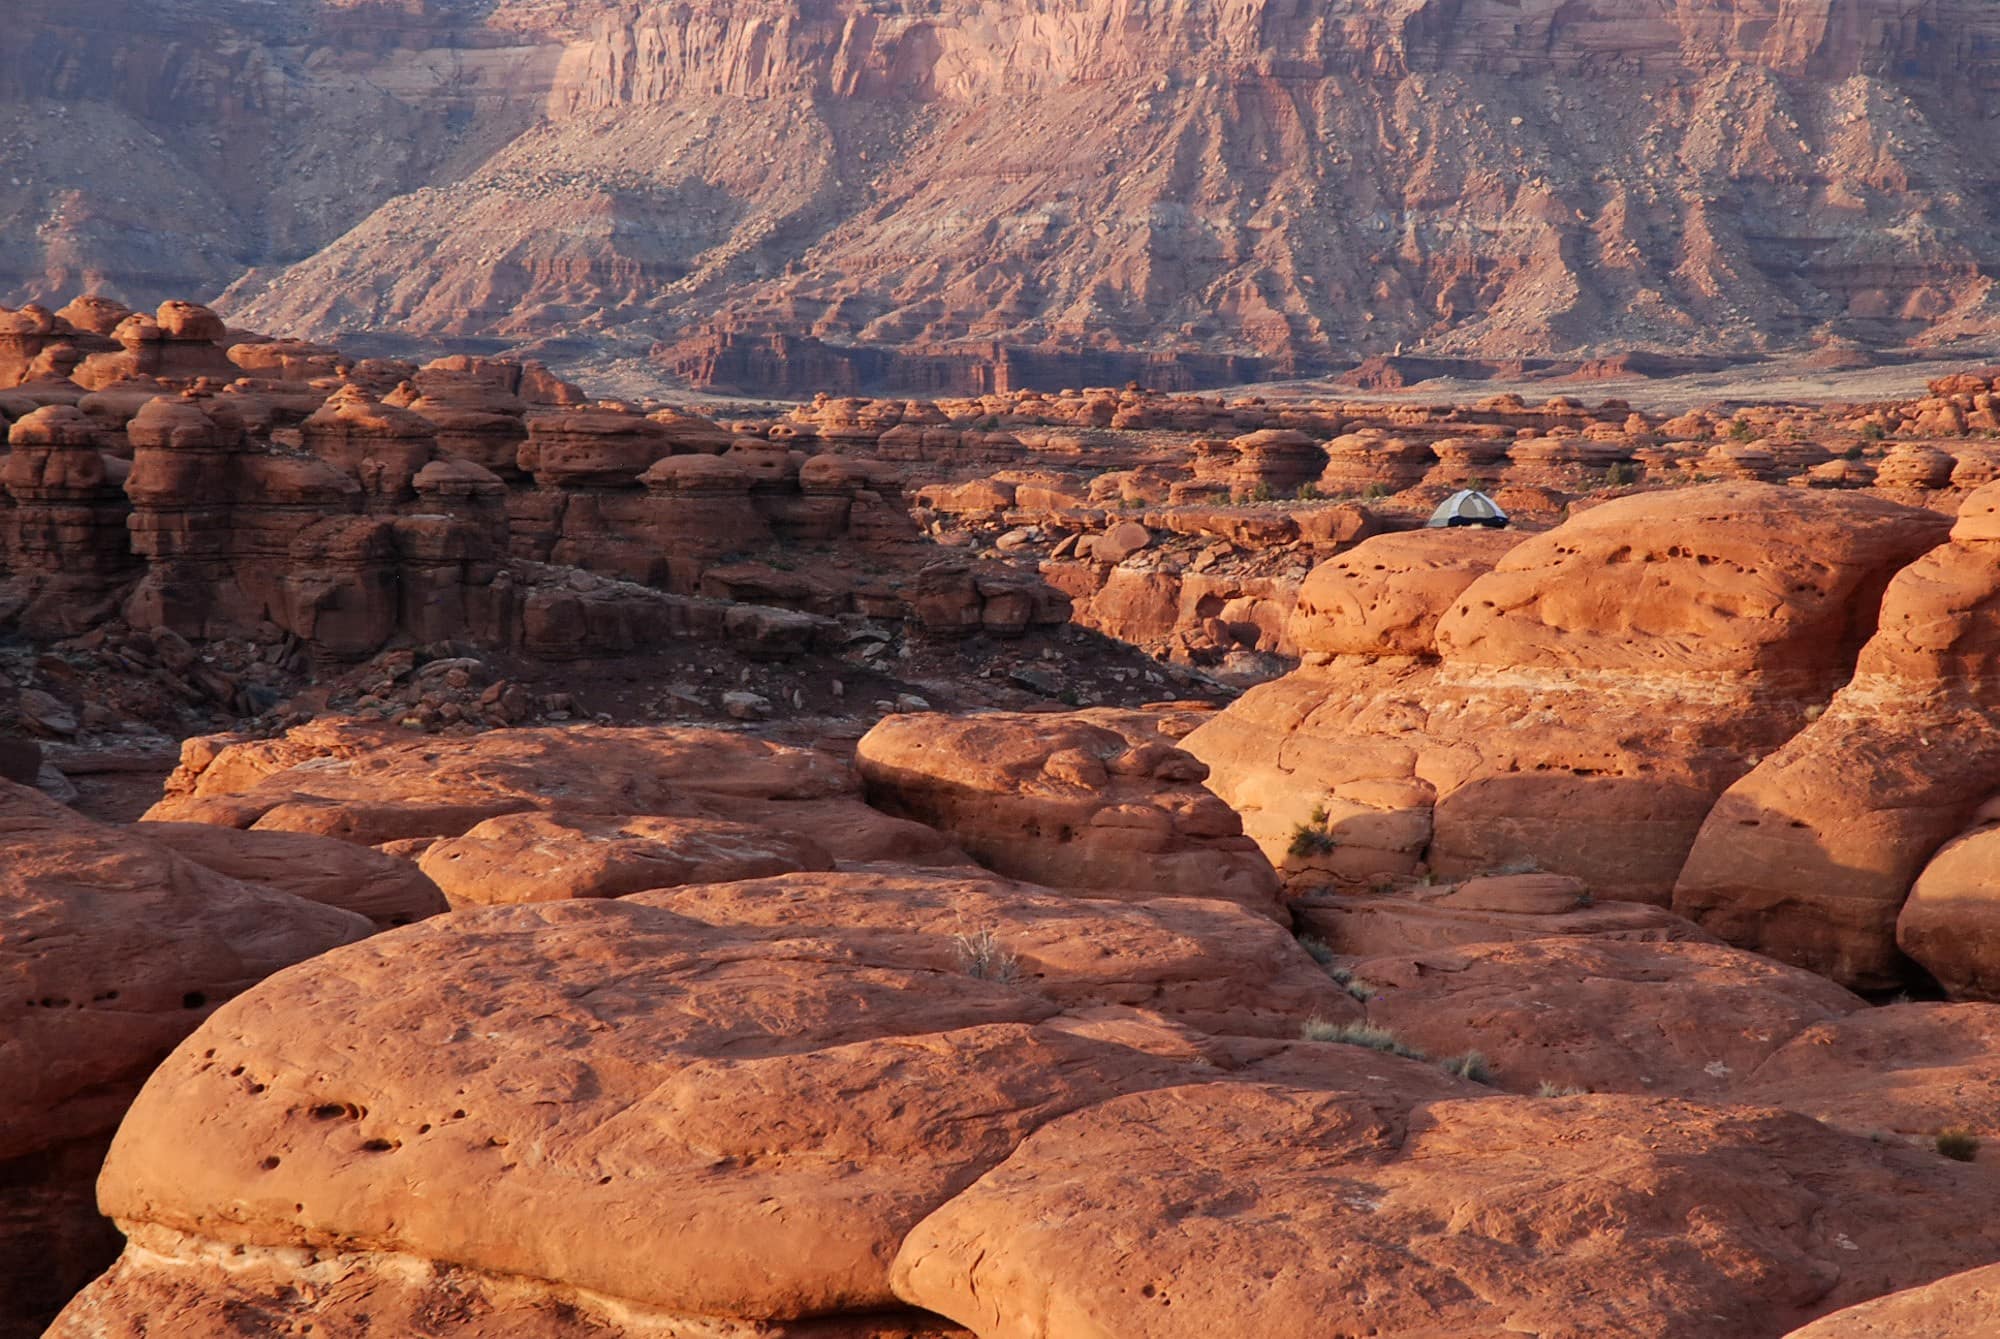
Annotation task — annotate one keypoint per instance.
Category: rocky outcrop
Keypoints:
(114, 948)
(388, 891)
(1145, 1213)
(1675, 1019)
(1072, 802)
(1811, 856)
(1586, 702)
(1946, 1309)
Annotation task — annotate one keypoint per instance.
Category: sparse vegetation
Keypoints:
(1472, 1065)
(1307, 493)
(1958, 1145)
(1261, 493)
(1358, 1034)
(1870, 432)
(1375, 492)
(981, 954)
(1318, 949)
(1618, 475)
(1308, 840)
(1547, 1089)
(1741, 431)
(1311, 837)
(1524, 865)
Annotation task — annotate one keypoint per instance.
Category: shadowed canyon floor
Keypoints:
(483, 861)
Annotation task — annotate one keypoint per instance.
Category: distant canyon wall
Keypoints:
(1299, 183)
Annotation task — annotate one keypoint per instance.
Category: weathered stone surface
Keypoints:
(1384, 596)
(1810, 856)
(544, 857)
(637, 1066)
(388, 891)
(1951, 921)
(1906, 1070)
(1225, 1209)
(1591, 697)
(1678, 1019)
(1958, 1307)
(112, 949)
(1069, 801)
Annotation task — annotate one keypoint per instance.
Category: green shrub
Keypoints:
(1618, 475)
(1548, 1089)
(1320, 951)
(1308, 840)
(1375, 492)
(1307, 493)
(1872, 432)
(1958, 1145)
(1741, 430)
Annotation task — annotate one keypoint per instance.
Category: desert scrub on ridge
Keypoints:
(1357, 1034)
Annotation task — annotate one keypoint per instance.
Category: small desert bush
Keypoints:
(1358, 1034)
(1548, 1089)
(1308, 840)
(1320, 951)
(1472, 1065)
(981, 954)
(1870, 432)
(1307, 493)
(1958, 1145)
(1741, 431)
(1375, 492)
(1618, 475)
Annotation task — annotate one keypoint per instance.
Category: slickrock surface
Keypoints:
(112, 949)
(1952, 1308)
(640, 1066)
(1223, 1209)
(388, 891)
(1588, 699)
(540, 857)
(1497, 908)
(1675, 1019)
(1069, 801)
(1809, 857)
(1911, 1070)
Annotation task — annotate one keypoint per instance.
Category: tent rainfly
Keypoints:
(1468, 507)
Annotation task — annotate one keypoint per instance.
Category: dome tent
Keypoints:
(1468, 506)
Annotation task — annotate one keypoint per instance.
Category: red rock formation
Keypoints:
(1589, 700)
(65, 529)
(1948, 1309)
(1810, 856)
(1146, 1213)
(1073, 802)
(113, 949)
(388, 891)
(1675, 1019)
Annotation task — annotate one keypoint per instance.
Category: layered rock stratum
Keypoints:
(818, 196)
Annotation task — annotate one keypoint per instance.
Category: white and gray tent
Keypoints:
(1468, 506)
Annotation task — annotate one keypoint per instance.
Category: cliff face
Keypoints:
(1301, 180)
